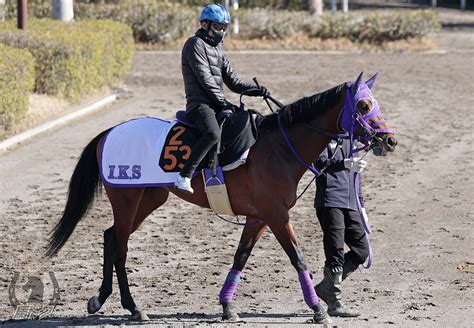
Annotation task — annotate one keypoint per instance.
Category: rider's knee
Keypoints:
(213, 136)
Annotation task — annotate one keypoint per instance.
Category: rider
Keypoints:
(205, 68)
(338, 215)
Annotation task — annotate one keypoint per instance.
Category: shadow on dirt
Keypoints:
(171, 318)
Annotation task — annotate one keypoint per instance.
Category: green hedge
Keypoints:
(374, 28)
(164, 22)
(16, 82)
(72, 59)
(377, 28)
(151, 21)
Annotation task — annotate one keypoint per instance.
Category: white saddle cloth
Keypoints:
(131, 153)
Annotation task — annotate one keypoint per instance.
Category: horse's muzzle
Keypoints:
(383, 144)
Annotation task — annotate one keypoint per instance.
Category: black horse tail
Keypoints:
(84, 184)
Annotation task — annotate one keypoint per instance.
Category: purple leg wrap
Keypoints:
(230, 285)
(309, 293)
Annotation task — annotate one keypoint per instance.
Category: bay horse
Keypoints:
(263, 190)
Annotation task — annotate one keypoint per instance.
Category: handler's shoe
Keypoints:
(337, 309)
(329, 290)
(184, 184)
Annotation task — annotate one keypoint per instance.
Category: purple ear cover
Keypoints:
(370, 82)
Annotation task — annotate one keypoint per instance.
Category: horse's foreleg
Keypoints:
(250, 236)
(96, 302)
(285, 235)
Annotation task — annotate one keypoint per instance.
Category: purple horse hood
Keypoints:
(351, 119)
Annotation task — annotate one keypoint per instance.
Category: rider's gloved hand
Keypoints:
(257, 92)
(264, 92)
(355, 165)
(231, 107)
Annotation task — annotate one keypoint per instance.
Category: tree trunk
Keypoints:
(2, 11)
(315, 6)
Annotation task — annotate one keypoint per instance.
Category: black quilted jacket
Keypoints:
(205, 68)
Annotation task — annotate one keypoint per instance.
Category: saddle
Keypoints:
(238, 134)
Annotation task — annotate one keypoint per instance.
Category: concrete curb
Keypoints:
(10, 142)
(294, 52)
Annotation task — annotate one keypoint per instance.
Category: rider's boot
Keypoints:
(329, 290)
(184, 184)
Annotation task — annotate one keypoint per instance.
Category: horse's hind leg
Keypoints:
(151, 200)
(125, 203)
(249, 238)
(96, 302)
(285, 235)
(148, 202)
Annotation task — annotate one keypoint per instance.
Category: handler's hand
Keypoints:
(355, 165)
(364, 215)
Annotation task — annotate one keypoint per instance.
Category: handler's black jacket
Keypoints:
(205, 68)
(335, 187)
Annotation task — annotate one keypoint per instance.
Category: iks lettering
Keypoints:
(124, 172)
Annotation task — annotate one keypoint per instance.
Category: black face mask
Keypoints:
(214, 40)
(217, 37)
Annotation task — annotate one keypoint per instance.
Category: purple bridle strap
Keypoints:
(307, 287)
(288, 142)
(365, 223)
(230, 286)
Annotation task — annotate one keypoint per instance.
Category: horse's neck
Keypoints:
(308, 143)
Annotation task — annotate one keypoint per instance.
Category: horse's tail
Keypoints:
(82, 188)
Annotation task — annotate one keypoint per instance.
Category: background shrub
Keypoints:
(165, 22)
(72, 59)
(373, 28)
(16, 82)
(152, 22)
(273, 24)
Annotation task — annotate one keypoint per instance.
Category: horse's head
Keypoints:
(362, 118)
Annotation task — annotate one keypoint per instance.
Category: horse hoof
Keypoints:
(230, 317)
(320, 316)
(139, 316)
(93, 305)
(324, 321)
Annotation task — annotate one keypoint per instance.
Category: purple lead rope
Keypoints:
(365, 223)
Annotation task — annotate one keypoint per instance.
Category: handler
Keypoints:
(337, 212)
(205, 68)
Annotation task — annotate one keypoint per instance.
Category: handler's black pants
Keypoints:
(205, 120)
(341, 226)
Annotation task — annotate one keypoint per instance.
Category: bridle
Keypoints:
(349, 120)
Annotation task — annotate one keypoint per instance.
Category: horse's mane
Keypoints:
(304, 109)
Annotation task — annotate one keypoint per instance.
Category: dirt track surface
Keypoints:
(419, 201)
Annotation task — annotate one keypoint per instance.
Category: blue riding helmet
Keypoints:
(216, 13)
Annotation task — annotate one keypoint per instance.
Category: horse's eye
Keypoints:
(363, 107)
